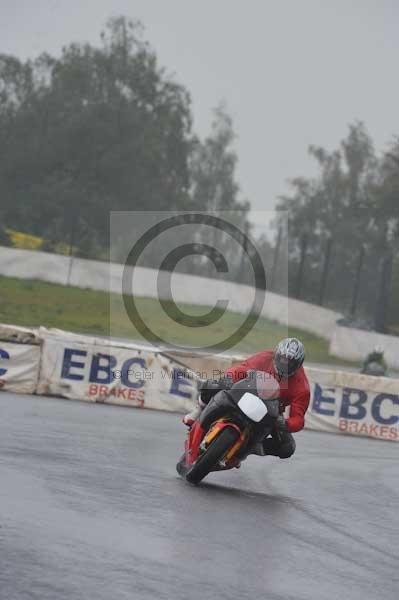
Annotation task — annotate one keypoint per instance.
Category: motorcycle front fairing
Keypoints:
(225, 404)
(263, 388)
(221, 405)
(250, 407)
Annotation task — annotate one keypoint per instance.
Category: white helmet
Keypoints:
(288, 357)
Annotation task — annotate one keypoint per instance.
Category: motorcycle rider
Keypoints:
(284, 364)
(374, 363)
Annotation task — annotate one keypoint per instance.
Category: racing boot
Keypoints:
(258, 449)
(190, 418)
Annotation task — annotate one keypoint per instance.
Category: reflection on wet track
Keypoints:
(91, 507)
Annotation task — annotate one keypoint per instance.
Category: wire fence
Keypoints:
(361, 282)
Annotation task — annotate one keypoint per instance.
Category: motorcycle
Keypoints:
(229, 425)
(375, 369)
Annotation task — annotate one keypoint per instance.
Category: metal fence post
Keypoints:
(356, 285)
(242, 277)
(275, 257)
(324, 276)
(382, 302)
(299, 281)
(72, 234)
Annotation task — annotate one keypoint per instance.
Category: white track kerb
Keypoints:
(77, 367)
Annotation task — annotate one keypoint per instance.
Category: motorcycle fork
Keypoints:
(193, 441)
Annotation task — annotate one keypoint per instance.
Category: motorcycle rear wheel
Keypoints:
(216, 451)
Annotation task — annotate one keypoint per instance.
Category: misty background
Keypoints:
(211, 106)
(292, 73)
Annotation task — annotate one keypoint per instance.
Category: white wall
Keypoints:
(191, 289)
(355, 344)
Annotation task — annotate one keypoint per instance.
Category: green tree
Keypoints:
(342, 204)
(213, 164)
(96, 130)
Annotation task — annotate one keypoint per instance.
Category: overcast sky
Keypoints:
(292, 72)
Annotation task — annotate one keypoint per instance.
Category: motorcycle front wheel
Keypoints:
(215, 452)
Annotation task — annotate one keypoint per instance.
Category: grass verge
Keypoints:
(34, 303)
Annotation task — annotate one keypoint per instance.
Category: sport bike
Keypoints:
(228, 427)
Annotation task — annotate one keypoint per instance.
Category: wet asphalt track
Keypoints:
(91, 508)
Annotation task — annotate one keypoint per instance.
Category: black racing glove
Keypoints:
(281, 423)
(281, 426)
(210, 387)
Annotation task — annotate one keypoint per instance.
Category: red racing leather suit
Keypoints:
(294, 391)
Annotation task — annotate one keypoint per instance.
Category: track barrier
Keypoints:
(78, 367)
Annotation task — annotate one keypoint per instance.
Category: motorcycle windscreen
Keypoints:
(267, 387)
(252, 407)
